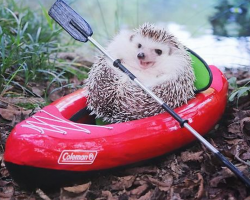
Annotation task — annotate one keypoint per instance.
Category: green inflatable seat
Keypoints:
(202, 72)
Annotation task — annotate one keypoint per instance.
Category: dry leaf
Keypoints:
(78, 189)
(56, 94)
(245, 125)
(216, 180)
(248, 198)
(146, 196)
(165, 189)
(231, 197)
(3, 104)
(234, 128)
(234, 141)
(139, 190)
(246, 155)
(123, 183)
(70, 56)
(78, 192)
(168, 179)
(23, 100)
(159, 183)
(223, 174)
(201, 191)
(4, 183)
(157, 194)
(191, 156)
(173, 195)
(175, 167)
(4, 172)
(108, 195)
(6, 192)
(42, 194)
(38, 91)
(10, 113)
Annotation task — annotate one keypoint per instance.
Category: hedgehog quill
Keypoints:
(157, 59)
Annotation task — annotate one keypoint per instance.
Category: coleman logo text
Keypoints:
(79, 157)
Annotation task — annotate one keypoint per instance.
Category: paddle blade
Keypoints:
(70, 21)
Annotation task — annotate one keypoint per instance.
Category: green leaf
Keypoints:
(243, 91)
(240, 92)
(14, 15)
(232, 82)
(232, 96)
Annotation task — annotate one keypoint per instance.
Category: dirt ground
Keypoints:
(190, 173)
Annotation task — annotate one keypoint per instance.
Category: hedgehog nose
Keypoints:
(141, 55)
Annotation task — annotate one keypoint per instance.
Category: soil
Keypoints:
(189, 173)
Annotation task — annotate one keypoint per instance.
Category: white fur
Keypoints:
(116, 98)
(166, 66)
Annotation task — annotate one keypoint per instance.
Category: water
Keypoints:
(219, 51)
(187, 19)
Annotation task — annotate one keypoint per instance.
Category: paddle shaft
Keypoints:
(182, 122)
(219, 155)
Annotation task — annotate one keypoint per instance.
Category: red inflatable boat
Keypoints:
(60, 143)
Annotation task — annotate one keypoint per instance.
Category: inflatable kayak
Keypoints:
(61, 143)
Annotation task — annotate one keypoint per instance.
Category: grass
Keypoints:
(29, 106)
(238, 92)
(28, 39)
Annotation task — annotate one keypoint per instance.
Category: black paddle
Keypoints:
(80, 30)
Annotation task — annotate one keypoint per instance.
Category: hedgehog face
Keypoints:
(149, 52)
(153, 55)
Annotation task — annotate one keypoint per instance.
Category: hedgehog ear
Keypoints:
(172, 48)
(131, 37)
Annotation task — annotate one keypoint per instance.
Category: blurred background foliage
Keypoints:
(30, 41)
(231, 19)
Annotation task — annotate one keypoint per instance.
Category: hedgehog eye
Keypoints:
(139, 45)
(158, 51)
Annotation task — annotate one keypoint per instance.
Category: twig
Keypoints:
(42, 194)
(3, 104)
(238, 158)
(243, 81)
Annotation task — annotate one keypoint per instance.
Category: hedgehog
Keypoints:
(157, 59)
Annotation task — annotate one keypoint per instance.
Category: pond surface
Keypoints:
(189, 20)
(216, 50)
